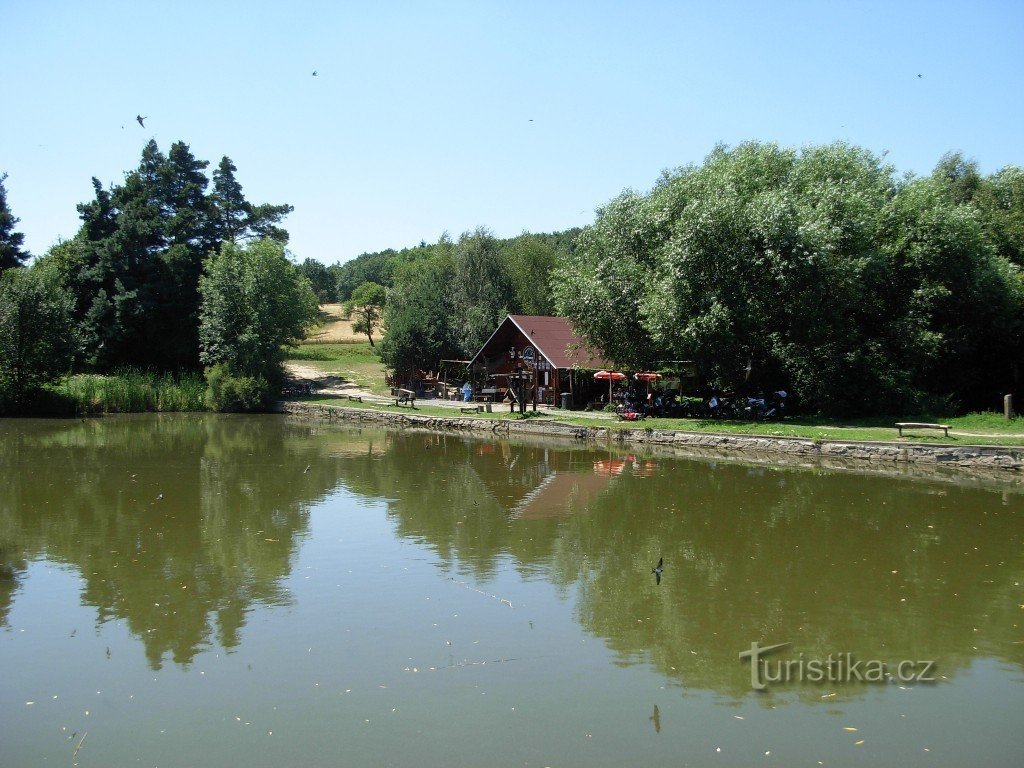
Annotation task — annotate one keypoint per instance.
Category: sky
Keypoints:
(432, 117)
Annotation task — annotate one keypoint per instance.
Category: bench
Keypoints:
(405, 397)
(901, 425)
(473, 409)
(356, 398)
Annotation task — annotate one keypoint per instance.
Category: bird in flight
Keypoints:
(656, 570)
(314, 73)
(140, 118)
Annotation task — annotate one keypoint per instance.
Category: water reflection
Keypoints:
(831, 562)
(180, 526)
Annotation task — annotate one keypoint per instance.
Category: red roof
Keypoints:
(555, 338)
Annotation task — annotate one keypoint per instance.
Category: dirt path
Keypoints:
(326, 383)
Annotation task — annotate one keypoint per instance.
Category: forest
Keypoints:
(822, 271)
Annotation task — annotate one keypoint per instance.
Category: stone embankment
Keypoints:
(971, 457)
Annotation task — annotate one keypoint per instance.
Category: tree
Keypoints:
(320, 279)
(420, 317)
(367, 304)
(235, 218)
(482, 289)
(529, 260)
(812, 270)
(254, 303)
(36, 335)
(136, 261)
(11, 253)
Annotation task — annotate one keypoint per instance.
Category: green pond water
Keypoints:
(252, 591)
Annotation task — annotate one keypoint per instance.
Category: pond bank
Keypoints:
(988, 459)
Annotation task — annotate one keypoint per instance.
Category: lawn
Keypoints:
(977, 428)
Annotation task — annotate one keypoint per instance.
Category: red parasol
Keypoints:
(611, 376)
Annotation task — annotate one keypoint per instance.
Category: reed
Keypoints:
(134, 391)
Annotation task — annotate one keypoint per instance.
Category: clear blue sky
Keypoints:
(419, 120)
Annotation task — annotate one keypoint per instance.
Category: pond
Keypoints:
(254, 591)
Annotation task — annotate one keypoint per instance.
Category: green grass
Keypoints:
(992, 428)
(986, 428)
(356, 362)
(132, 391)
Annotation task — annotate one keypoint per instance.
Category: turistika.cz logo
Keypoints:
(840, 668)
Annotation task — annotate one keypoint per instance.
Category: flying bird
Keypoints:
(656, 717)
(656, 570)
(919, 74)
(314, 73)
(140, 118)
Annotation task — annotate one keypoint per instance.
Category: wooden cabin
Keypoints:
(545, 352)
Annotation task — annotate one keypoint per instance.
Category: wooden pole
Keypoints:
(1008, 407)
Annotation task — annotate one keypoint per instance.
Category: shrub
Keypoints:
(227, 392)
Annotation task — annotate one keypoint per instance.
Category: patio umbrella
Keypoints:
(611, 376)
(647, 377)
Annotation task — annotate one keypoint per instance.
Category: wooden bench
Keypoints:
(901, 425)
(473, 409)
(356, 398)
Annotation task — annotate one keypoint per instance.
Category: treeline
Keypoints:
(446, 299)
(338, 282)
(818, 271)
(163, 275)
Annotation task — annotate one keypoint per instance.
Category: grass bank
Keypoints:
(971, 429)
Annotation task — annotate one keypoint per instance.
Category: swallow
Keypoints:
(314, 73)
(656, 717)
(140, 118)
(656, 570)
(308, 467)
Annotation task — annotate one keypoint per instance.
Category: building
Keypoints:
(545, 352)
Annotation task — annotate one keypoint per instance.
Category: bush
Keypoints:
(227, 392)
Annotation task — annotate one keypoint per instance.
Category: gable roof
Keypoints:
(556, 339)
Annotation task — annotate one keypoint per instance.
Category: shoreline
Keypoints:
(1006, 462)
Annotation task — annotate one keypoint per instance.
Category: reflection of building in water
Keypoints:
(561, 493)
(536, 483)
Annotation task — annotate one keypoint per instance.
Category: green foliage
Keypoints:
(134, 265)
(254, 302)
(812, 271)
(420, 317)
(11, 253)
(320, 279)
(37, 338)
(231, 393)
(367, 304)
(133, 391)
(235, 219)
(446, 299)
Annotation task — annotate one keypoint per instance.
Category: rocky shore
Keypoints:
(1001, 460)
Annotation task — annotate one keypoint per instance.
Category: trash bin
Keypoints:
(566, 400)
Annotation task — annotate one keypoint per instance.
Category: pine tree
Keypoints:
(11, 253)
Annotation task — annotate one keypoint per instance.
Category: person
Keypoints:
(467, 392)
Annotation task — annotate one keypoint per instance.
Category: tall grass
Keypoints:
(133, 391)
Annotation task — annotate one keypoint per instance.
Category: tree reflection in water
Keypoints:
(181, 525)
